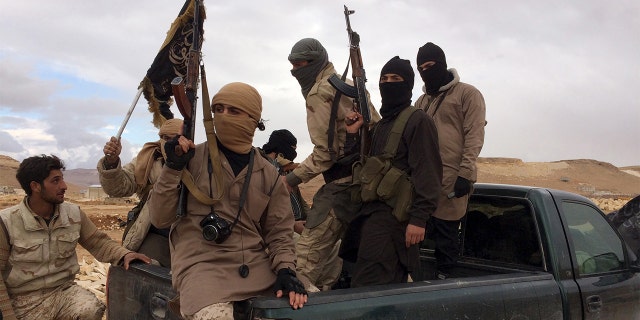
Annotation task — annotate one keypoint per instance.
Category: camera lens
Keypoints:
(210, 233)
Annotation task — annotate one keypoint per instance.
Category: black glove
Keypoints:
(175, 161)
(288, 282)
(462, 187)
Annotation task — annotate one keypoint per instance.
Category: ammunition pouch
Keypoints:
(396, 190)
(379, 180)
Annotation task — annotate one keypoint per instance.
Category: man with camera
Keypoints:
(218, 247)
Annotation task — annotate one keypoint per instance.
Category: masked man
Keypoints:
(331, 209)
(238, 243)
(138, 177)
(384, 241)
(459, 113)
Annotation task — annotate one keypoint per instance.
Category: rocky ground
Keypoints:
(609, 187)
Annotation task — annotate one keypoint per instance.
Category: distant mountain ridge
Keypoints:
(82, 177)
(583, 176)
(79, 177)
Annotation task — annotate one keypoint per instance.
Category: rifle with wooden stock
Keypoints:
(186, 97)
(358, 91)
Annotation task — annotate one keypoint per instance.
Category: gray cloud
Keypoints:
(559, 78)
(8, 144)
(22, 89)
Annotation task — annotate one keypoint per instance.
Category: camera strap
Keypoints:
(245, 186)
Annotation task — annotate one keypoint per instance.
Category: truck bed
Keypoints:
(510, 295)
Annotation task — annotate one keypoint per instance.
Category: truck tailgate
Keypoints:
(142, 292)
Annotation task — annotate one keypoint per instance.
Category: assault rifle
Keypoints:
(357, 91)
(186, 97)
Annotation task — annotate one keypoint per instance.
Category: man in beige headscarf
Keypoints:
(240, 244)
(138, 177)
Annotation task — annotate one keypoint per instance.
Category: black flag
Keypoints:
(171, 62)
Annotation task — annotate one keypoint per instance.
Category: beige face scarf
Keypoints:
(235, 132)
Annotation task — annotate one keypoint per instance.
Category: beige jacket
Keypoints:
(205, 272)
(120, 182)
(460, 120)
(42, 256)
(318, 104)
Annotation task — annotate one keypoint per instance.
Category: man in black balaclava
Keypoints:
(458, 110)
(280, 150)
(436, 74)
(282, 142)
(385, 247)
(396, 84)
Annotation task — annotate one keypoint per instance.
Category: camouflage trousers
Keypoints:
(216, 311)
(318, 264)
(69, 301)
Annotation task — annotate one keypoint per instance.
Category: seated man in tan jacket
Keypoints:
(38, 240)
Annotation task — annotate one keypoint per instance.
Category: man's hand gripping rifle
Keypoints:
(357, 91)
(186, 97)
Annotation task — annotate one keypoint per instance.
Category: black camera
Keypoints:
(215, 228)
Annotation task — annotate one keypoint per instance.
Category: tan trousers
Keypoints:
(69, 301)
(318, 264)
(216, 311)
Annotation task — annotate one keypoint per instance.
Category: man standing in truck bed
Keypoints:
(458, 110)
(330, 210)
(383, 240)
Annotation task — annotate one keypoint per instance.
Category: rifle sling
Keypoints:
(332, 118)
(214, 155)
(391, 147)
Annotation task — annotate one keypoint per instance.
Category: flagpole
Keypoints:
(126, 118)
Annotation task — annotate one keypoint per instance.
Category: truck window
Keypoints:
(501, 230)
(596, 248)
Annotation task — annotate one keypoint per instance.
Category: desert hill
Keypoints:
(8, 167)
(587, 177)
(76, 179)
(583, 176)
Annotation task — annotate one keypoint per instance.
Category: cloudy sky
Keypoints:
(560, 78)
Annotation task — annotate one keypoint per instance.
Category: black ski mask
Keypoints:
(282, 141)
(437, 75)
(396, 95)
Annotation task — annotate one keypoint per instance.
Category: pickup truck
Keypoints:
(526, 253)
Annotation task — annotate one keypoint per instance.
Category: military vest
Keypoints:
(380, 180)
(41, 256)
